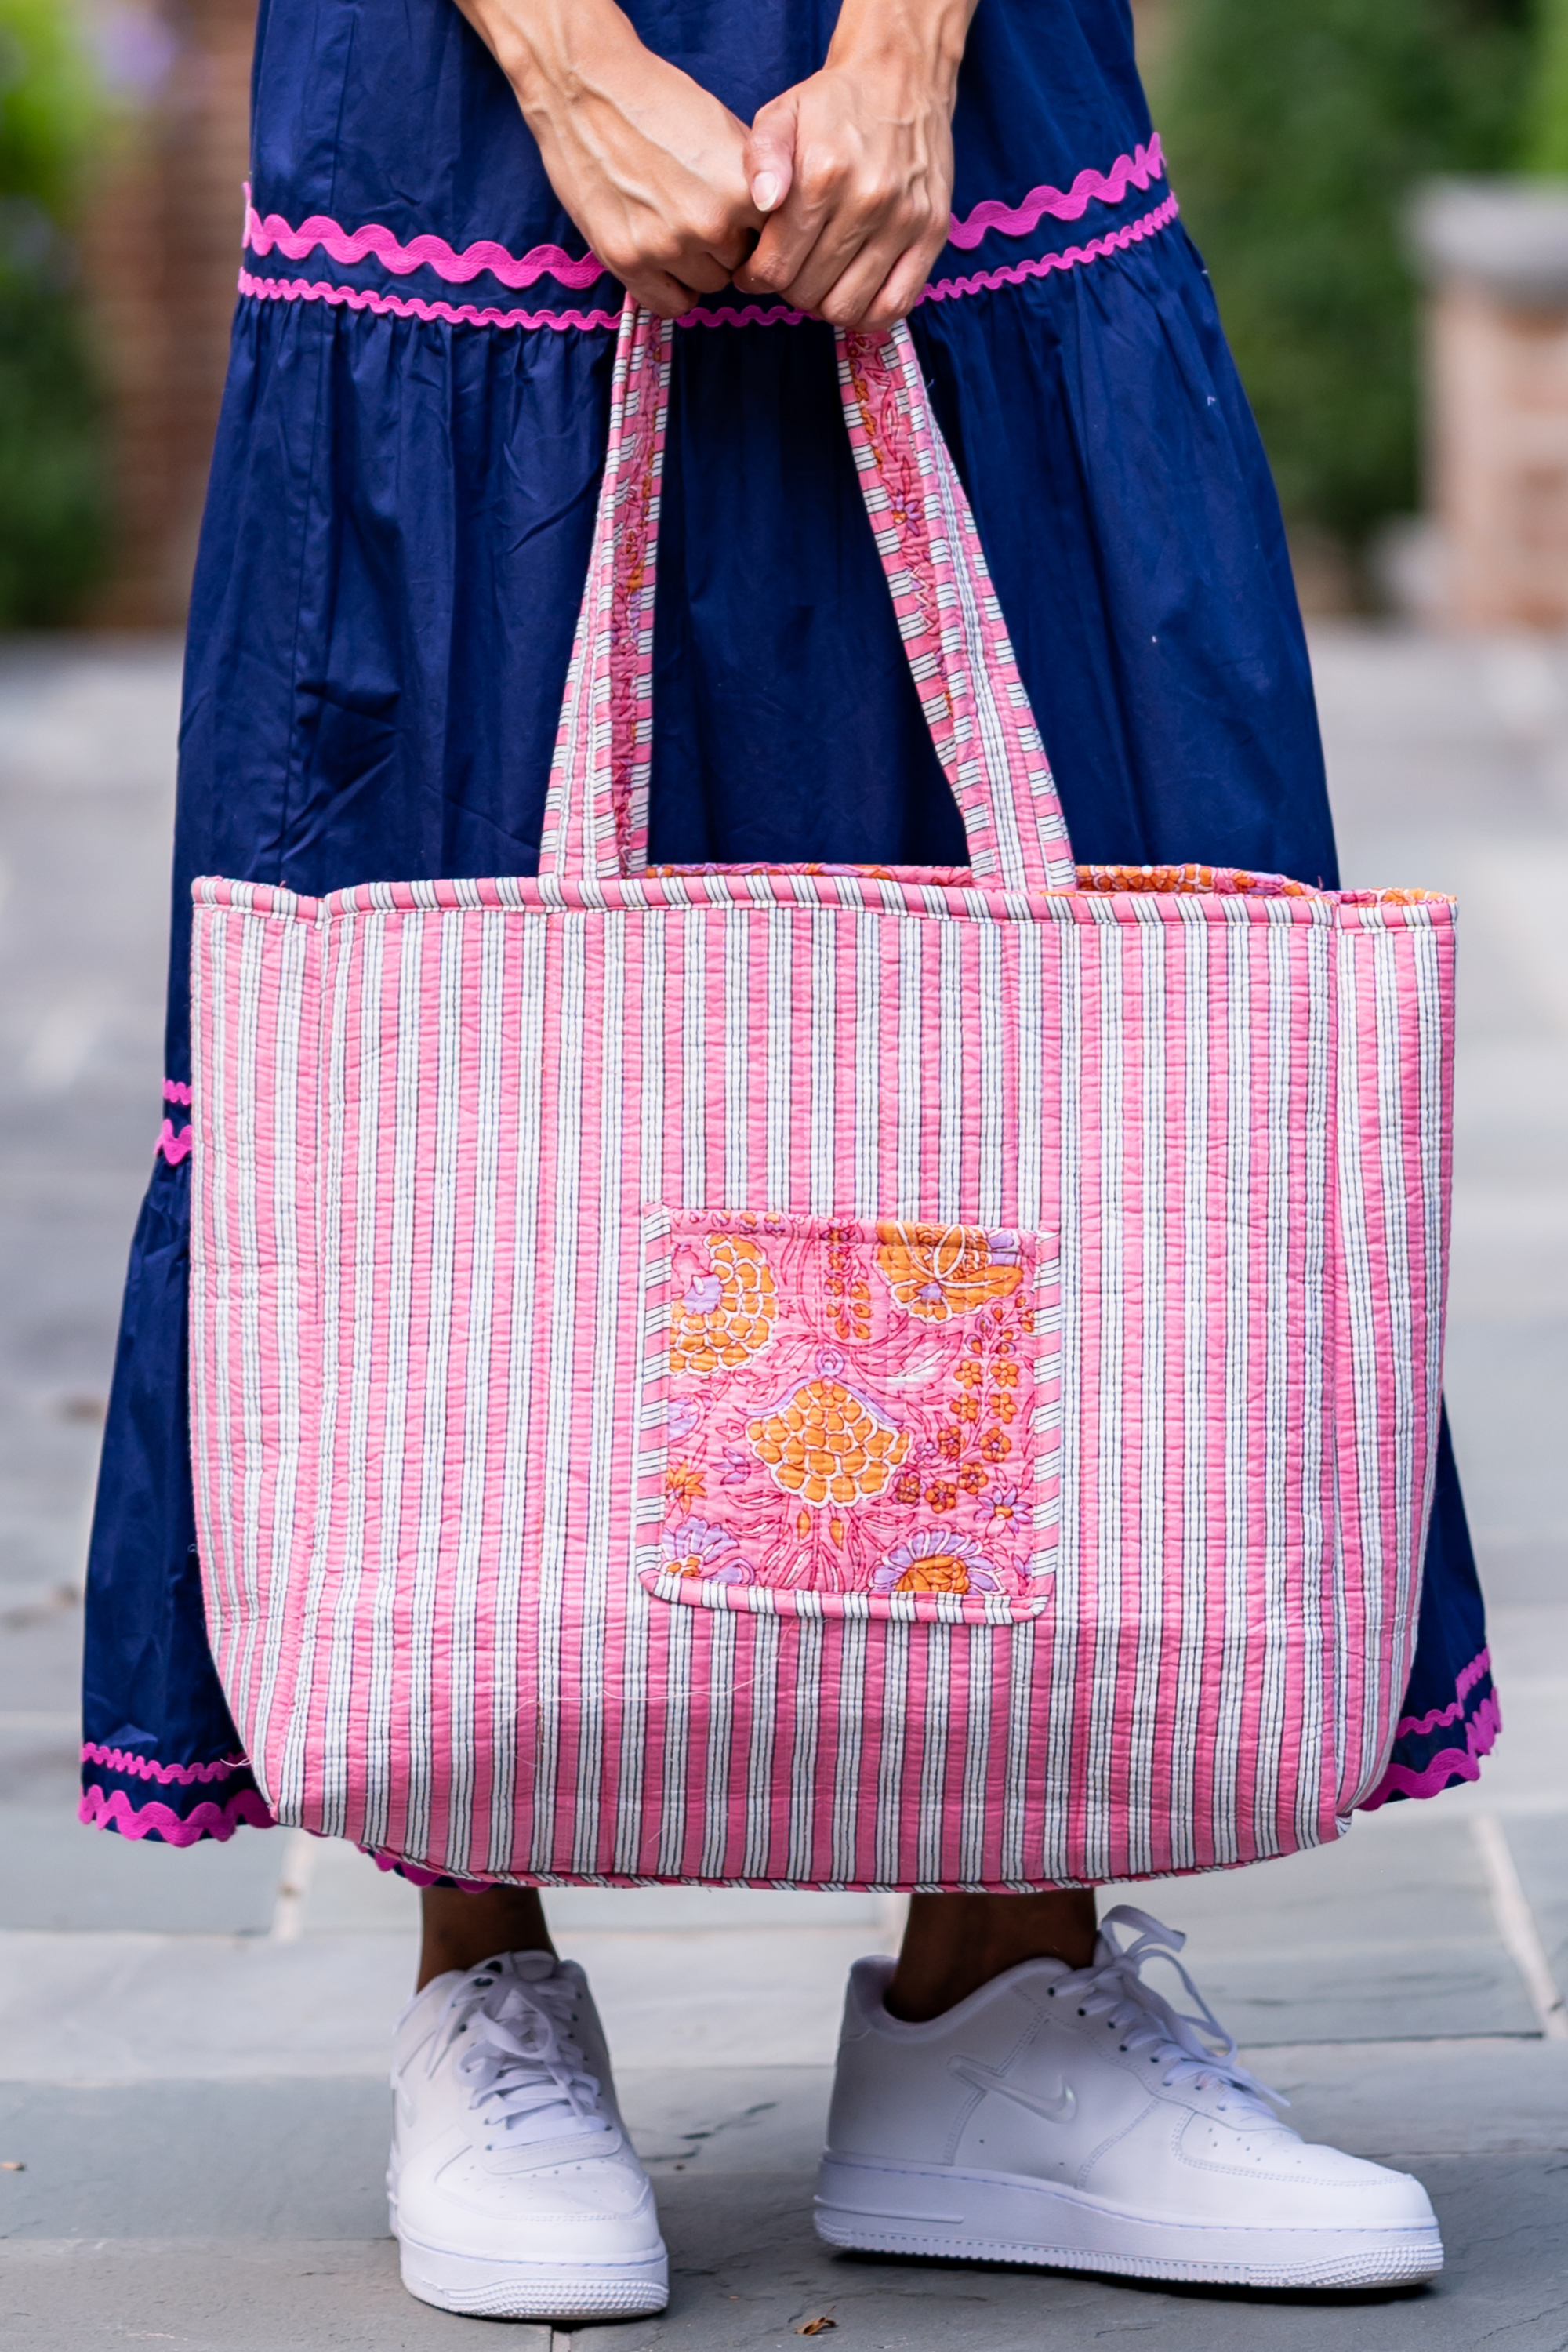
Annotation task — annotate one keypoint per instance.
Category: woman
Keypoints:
(397, 538)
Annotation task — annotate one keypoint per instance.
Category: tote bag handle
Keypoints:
(596, 826)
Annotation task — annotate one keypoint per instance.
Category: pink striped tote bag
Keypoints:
(811, 1376)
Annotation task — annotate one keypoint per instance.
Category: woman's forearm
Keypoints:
(646, 162)
(554, 53)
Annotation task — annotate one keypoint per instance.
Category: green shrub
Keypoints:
(53, 477)
(1296, 129)
(1545, 147)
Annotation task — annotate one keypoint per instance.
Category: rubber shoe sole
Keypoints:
(979, 2216)
(484, 2289)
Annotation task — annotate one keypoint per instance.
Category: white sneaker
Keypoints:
(512, 2187)
(1072, 2117)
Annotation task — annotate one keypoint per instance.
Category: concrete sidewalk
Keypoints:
(193, 2045)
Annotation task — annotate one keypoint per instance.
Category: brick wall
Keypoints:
(161, 253)
(1494, 254)
(1499, 417)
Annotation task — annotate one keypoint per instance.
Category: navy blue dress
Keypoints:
(396, 535)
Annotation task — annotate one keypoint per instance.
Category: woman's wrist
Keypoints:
(924, 38)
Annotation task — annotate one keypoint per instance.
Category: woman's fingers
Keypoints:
(787, 248)
(664, 296)
(666, 282)
(864, 211)
(768, 157)
(848, 301)
(903, 288)
(831, 213)
(883, 284)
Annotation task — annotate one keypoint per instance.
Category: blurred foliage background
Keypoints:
(1296, 130)
(53, 486)
(1545, 147)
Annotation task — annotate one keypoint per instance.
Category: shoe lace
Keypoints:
(1194, 2048)
(526, 2074)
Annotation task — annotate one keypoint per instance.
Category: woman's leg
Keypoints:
(952, 1943)
(955, 1943)
(461, 1930)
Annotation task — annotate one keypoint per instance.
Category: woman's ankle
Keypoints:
(462, 1930)
(954, 1944)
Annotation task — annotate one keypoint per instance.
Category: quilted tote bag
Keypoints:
(819, 1376)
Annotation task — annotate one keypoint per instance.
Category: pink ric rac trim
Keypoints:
(466, 314)
(1417, 1726)
(173, 1143)
(985, 281)
(1138, 170)
(1403, 1781)
(145, 1768)
(102, 1810)
(1144, 165)
(424, 252)
(455, 314)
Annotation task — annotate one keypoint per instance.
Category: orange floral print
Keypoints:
(826, 1444)
(726, 1307)
(939, 1271)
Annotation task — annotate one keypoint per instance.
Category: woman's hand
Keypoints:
(854, 168)
(648, 163)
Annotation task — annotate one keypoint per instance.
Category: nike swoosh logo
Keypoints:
(1059, 2110)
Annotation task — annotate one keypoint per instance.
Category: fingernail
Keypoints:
(765, 192)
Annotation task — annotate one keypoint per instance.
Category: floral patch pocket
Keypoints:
(848, 1420)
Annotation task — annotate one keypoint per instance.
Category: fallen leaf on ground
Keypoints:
(818, 2326)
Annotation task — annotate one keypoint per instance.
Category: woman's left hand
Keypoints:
(854, 167)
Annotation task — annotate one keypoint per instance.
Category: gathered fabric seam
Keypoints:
(147, 1768)
(467, 314)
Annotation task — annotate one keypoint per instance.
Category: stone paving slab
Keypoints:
(1539, 1849)
(55, 1876)
(197, 2159)
(228, 2294)
(278, 2187)
(121, 2008)
(747, 2270)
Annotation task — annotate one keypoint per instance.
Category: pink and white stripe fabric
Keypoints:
(810, 1376)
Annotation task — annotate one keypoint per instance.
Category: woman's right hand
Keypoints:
(648, 162)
